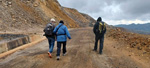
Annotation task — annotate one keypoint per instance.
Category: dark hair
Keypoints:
(61, 21)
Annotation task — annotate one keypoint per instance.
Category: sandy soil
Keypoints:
(79, 55)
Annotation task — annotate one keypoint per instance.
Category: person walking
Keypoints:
(99, 30)
(50, 36)
(62, 33)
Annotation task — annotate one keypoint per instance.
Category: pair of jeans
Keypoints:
(97, 38)
(59, 48)
(51, 42)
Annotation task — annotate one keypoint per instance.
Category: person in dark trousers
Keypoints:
(50, 36)
(99, 31)
(62, 33)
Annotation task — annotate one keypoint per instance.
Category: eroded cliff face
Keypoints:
(77, 16)
(33, 15)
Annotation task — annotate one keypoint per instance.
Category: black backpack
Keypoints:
(49, 29)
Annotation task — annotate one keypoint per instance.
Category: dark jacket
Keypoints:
(96, 28)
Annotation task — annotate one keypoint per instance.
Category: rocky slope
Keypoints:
(137, 44)
(33, 15)
(92, 21)
(82, 19)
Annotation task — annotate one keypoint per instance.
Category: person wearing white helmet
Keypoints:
(50, 35)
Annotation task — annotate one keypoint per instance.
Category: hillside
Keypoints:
(122, 48)
(137, 28)
(33, 15)
(92, 21)
(82, 19)
(74, 14)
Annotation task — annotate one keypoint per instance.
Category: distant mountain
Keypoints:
(137, 28)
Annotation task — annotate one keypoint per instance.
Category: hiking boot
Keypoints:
(100, 53)
(58, 57)
(94, 50)
(49, 54)
(64, 54)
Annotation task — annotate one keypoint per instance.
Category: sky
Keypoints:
(113, 12)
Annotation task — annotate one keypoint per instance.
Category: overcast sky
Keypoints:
(113, 11)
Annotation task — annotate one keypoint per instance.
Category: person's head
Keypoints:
(61, 21)
(52, 20)
(99, 19)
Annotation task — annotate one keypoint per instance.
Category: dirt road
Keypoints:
(79, 55)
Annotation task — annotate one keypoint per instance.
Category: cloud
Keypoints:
(136, 9)
(112, 22)
(112, 10)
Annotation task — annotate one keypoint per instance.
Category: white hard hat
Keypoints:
(53, 19)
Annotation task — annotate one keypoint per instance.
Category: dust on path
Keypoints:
(79, 55)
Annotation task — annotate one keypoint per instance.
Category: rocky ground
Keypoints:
(136, 44)
(32, 15)
(79, 54)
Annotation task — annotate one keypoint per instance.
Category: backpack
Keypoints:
(102, 27)
(49, 29)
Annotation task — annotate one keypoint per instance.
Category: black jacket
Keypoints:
(96, 28)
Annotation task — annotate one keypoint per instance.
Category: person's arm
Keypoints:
(95, 27)
(45, 27)
(44, 31)
(105, 30)
(67, 33)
